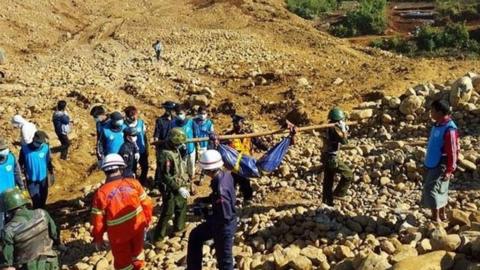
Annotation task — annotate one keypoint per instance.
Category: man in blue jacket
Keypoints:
(186, 124)
(132, 119)
(101, 118)
(61, 124)
(221, 221)
(111, 137)
(36, 162)
(10, 175)
(202, 127)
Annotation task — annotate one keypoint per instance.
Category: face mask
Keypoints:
(4, 152)
(36, 145)
(97, 119)
(202, 116)
(181, 116)
(119, 123)
(134, 139)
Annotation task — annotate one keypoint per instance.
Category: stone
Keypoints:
(461, 91)
(394, 103)
(467, 164)
(411, 104)
(361, 114)
(3, 57)
(440, 240)
(476, 83)
(475, 247)
(314, 254)
(102, 264)
(424, 246)
(387, 118)
(374, 262)
(405, 251)
(300, 263)
(437, 260)
(81, 266)
(459, 217)
(303, 82)
(388, 247)
(384, 181)
(338, 81)
(199, 100)
(342, 252)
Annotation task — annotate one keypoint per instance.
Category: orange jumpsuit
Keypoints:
(123, 210)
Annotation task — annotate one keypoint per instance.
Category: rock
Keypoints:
(405, 251)
(3, 57)
(440, 240)
(374, 262)
(338, 81)
(476, 83)
(384, 181)
(461, 91)
(411, 104)
(361, 114)
(300, 263)
(386, 118)
(299, 116)
(394, 103)
(475, 247)
(424, 246)
(342, 252)
(437, 260)
(102, 264)
(199, 100)
(467, 164)
(303, 82)
(459, 217)
(388, 247)
(314, 254)
(81, 266)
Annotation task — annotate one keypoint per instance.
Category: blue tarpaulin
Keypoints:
(248, 166)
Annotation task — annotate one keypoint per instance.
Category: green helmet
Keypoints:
(336, 114)
(177, 136)
(13, 199)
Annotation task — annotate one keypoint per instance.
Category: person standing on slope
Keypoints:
(132, 120)
(62, 125)
(111, 138)
(27, 129)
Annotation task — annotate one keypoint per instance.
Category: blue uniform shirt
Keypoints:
(202, 128)
(141, 143)
(223, 197)
(36, 162)
(187, 127)
(435, 144)
(7, 173)
(112, 140)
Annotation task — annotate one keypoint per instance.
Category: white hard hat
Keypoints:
(211, 160)
(113, 162)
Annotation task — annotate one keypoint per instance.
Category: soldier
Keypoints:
(28, 238)
(174, 179)
(335, 137)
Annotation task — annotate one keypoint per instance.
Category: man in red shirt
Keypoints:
(441, 160)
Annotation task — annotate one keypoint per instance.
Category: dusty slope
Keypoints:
(86, 51)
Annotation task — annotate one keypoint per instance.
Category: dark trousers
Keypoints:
(222, 235)
(245, 186)
(143, 164)
(158, 55)
(174, 206)
(335, 166)
(38, 192)
(65, 144)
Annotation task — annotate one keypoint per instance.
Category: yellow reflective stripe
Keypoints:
(236, 168)
(124, 218)
(96, 211)
(139, 257)
(126, 268)
(143, 196)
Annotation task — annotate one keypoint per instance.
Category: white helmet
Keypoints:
(211, 160)
(113, 162)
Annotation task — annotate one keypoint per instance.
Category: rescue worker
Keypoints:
(335, 137)
(28, 237)
(129, 152)
(111, 138)
(132, 120)
(186, 124)
(27, 129)
(222, 223)
(10, 175)
(174, 179)
(62, 126)
(157, 46)
(122, 209)
(36, 162)
(101, 119)
(202, 127)
(244, 147)
(440, 160)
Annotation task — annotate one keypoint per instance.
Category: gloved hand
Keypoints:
(343, 126)
(184, 192)
(137, 156)
(25, 194)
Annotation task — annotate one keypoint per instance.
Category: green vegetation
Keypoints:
(310, 9)
(450, 40)
(456, 10)
(369, 18)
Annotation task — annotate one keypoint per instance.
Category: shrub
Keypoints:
(310, 9)
(426, 38)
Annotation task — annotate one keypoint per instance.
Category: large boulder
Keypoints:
(411, 104)
(440, 240)
(476, 83)
(361, 114)
(461, 91)
(437, 260)
(459, 217)
(300, 263)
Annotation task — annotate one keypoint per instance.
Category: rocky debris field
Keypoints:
(379, 225)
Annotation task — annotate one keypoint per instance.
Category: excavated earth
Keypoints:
(262, 60)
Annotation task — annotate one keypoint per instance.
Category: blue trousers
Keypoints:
(222, 235)
(38, 192)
